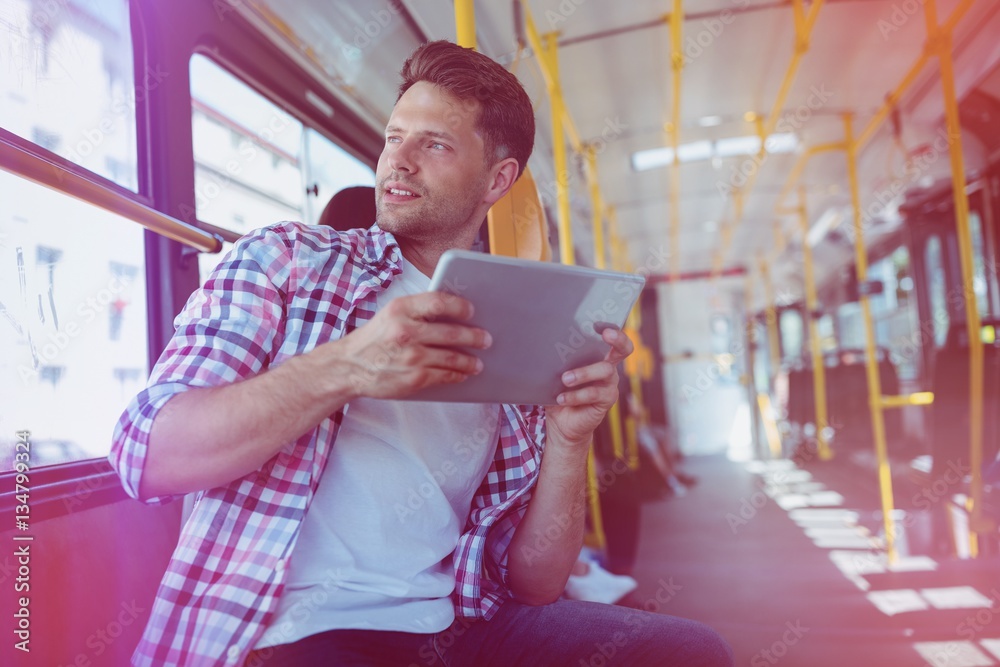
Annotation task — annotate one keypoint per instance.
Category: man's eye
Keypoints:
(392, 140)
(439, 146)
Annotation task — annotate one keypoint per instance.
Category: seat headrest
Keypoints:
(351, 208)
(517, 224)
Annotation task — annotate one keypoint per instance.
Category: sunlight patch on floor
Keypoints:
(848, 537)
(900, 601)
(766, 467)
(991, 645)
(956, 597)
(849, 517)
(953, 654)
(913, 564)
(854, 564)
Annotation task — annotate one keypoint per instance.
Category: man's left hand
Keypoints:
(591, 391)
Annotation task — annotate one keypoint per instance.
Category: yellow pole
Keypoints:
(799, 167)
(677, 66)
(596, 537)
(597, 208)
(919, 398)
(942, 40)
(675, 216)
(531, 32)
(726, 234)
(617, 261)
(812, 303)
(632, 422)
(551, 56)
(465, 23)
(771, 317)
(617, 442)
(780, 242)
(891, 101)
(871, 364)
(770, 427)
(764, 399)
(804, 22)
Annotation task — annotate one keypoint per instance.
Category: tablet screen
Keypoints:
(545, 319)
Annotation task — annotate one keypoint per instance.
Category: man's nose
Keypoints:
(402, 158)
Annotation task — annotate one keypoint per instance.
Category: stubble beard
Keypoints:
(425, 221)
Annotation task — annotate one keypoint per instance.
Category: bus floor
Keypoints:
(783, 567)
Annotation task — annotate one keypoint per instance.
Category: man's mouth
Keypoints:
(398, 192)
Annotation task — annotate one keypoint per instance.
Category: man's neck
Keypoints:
(423, 258)
(424, 255)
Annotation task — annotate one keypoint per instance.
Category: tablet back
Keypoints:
(545, 319)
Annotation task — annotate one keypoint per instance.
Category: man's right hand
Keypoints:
(403, 348)
(233, 429)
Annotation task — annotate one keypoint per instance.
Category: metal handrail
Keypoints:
(28, 165)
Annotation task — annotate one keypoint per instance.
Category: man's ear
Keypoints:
(503, 175)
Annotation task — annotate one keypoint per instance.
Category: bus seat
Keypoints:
(848, 412)
(517, 224)
(350, 208)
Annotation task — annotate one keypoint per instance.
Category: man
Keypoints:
(333, 523)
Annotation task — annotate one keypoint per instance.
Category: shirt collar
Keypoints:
(381, 248)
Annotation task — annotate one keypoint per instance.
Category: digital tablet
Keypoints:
(545, 319)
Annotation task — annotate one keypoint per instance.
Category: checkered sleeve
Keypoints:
(228, 330)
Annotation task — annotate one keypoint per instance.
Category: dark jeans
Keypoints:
(567, 632)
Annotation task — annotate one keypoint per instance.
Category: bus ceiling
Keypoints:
(617, 62)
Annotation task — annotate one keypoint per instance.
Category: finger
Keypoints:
(621, 345)
(436, 305)
(445, 334)
(602, 370)
(428, 377)
(597, 395)
(438, 358)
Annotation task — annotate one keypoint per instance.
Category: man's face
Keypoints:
(431, 175)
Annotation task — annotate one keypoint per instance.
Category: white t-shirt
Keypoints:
(375, 548)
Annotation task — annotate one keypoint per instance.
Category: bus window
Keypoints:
(328, 170)
(937, 290)
(245, 153)
(850, 326)
(790, 323)
(73, 326)
(894, 312)
(979, 280)
(57, 51)
(254, 163)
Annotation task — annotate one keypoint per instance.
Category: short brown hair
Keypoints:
(506, 118)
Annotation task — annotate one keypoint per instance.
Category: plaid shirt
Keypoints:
(280, 292)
